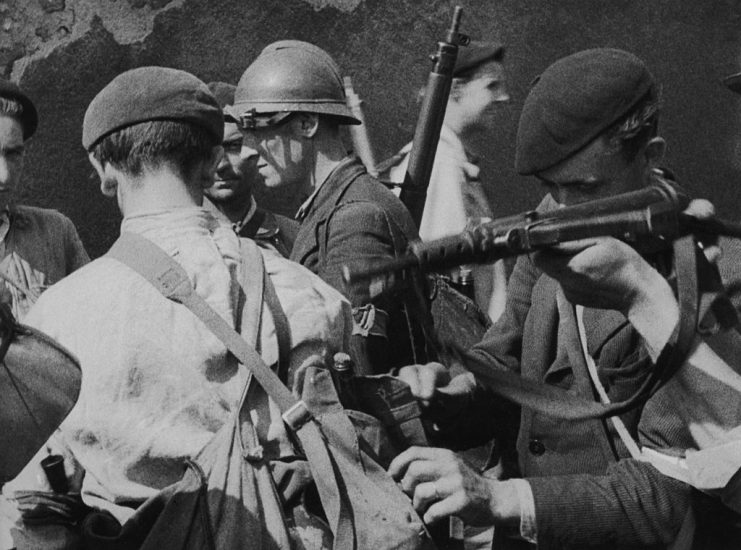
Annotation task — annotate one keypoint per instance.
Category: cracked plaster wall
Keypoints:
(64, 51)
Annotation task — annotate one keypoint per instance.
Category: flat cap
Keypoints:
(574, 101)
(223, 92)
(151, 93)
(29, 117)
(475, 54)
(733, 82)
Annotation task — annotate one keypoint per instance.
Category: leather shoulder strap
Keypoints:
(167, 276)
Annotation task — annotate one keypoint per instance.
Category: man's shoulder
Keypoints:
(39, 215)
(91, 286)
(367, 197)
(291, 277)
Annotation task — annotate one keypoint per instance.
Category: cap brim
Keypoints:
(336, 110)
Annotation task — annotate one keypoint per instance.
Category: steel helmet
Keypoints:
(291, 76)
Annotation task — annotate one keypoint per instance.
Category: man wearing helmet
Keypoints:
(290, 104)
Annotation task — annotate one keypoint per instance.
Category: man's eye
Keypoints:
(233, 147)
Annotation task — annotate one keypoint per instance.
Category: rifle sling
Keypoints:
(557, 402)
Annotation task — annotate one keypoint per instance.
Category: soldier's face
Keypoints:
(279, 153)
(598, 171)
(234, 175)
(11, 157)
(477, 100)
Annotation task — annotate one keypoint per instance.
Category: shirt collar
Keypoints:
(303, 210)
(237, 226)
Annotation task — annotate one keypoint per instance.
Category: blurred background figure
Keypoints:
(455, 196)
(38, 246)
(231, 194)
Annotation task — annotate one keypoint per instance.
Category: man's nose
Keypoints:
(248, 150)
(223, 164)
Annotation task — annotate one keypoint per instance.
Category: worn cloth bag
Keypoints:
(227, 498)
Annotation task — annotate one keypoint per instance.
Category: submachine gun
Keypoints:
(651, 220)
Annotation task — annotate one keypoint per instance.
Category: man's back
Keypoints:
(157, 384)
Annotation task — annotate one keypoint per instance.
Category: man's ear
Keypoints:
(306, 124)
(654, 151)
(208, 174)
(108, 183)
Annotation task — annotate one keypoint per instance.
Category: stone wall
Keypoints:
(63, 51)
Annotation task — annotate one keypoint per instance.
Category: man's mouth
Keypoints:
(224, 181)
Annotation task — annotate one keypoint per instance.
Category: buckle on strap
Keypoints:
(297, 416)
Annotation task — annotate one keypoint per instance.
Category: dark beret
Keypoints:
(223, 92)
(29, 117)
(151, 93)
(475, 54)
(733, 82)
(574, 101)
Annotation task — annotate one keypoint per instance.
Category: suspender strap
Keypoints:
(157, 267)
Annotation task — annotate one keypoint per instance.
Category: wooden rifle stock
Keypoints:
(430, 121)
(359, 132)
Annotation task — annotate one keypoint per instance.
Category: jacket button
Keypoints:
(536, 447)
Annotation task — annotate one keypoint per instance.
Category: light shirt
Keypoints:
(157, 384)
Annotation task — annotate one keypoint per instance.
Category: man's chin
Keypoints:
(219, 196)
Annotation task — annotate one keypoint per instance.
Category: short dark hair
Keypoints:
(633, 130)
(180, 144)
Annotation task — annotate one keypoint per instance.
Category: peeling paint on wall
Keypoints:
(64, 51)
(31, 29)
(342, 5)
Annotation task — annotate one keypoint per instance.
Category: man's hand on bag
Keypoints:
(441, 484)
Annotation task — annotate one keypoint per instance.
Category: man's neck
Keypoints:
(235, 210)
(155, 191)
(326, 160)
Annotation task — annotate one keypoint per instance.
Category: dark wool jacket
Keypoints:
(588, 491)
(354, 220)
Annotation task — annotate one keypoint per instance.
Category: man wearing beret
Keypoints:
(157, 383)
(231, 194)
(290, 104)
(588, 130)
(455, 195)
(37, 246)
